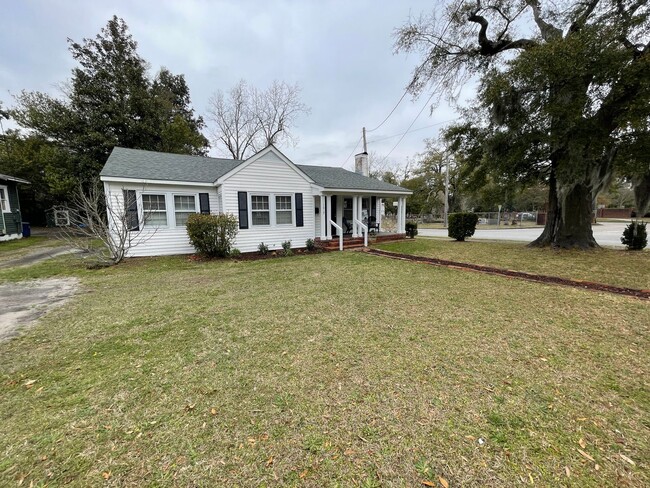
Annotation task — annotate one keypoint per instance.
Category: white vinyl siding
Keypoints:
(159, 241)
(184, 206)
(283, 210)
(270, 175)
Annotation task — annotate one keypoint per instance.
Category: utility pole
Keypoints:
(447, 192)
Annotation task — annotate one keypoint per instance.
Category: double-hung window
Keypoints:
(4, 199)
(154, 210)
(261, 211)
(184, 206)
(283, 210)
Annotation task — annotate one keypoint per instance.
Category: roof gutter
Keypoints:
(115, 179)
(370, 192)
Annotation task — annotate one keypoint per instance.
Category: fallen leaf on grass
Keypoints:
(586, 455)
(428, 483)
(582, 443)
(213, 411)
(567, 471)
(29, 383)
(189, 407)
(269, 461)
(443, 482)
(106, 475)
(627, 459)
(303, 474)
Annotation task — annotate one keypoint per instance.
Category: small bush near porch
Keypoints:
(332, 369)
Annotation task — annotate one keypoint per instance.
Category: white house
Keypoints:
(274, 199)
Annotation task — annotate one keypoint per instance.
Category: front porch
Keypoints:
(350, 242)
(347, 219)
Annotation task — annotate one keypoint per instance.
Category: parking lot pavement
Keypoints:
(607, 234)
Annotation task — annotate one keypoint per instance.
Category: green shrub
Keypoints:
(212, 235)
(235, 253)
(262, 248)
(310, 244)
(461, 225)
(286, 248)
(635, 236)
(411, 229)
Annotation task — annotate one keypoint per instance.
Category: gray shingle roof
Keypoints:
(151, 165)
(339, 178)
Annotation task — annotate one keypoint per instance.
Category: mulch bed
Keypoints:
(554, 280)
(256, 256)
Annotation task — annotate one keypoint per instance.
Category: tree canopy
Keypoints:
(110, 101)
(564, 96)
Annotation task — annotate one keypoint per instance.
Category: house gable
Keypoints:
(270, 154)
(272, 199)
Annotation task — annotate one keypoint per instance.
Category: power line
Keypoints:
(414, 130)
(391, 112)
(414, 120)
(352, 152)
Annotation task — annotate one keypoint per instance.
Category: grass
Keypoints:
(21, 247)
(609, 266)
(339, 369)
(18, 244)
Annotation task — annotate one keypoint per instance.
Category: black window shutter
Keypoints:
(131, 209)
(204, 203)
(300, 222)
(242, 198)
(373, 206)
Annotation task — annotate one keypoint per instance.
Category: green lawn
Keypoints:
(338, 369)
(20, 247)
(610, 266)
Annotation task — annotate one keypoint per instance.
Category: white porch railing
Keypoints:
(364, 229)
(340, 233)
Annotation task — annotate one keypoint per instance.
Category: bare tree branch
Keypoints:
(248, 119)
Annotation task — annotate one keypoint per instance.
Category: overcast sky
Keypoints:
(339, 52)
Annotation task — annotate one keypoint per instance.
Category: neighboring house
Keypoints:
(11, 221)
(274, 199)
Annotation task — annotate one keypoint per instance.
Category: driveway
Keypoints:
(607, 234)
(24, 302)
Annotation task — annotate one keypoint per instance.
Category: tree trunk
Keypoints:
(569, 217)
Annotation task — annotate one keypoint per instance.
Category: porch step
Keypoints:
(348, 243)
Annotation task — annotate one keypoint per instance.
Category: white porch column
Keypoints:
(355, 203)
(339, 211)
(328, 226)
(378, 212)
(403, 215)
(323, 222)
(399, 215)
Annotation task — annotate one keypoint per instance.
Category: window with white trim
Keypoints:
(4, 199)
(154, 210)
(283, 210)
(184, 206)
(261, 212)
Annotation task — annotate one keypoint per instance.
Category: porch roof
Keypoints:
(330, 177)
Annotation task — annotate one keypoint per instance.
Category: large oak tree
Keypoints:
(564, 96)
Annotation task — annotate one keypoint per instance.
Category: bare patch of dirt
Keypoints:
(24, 302)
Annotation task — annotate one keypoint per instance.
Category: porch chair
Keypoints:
(373, 226)
(348, 226)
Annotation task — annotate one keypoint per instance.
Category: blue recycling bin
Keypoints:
(27, 230)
